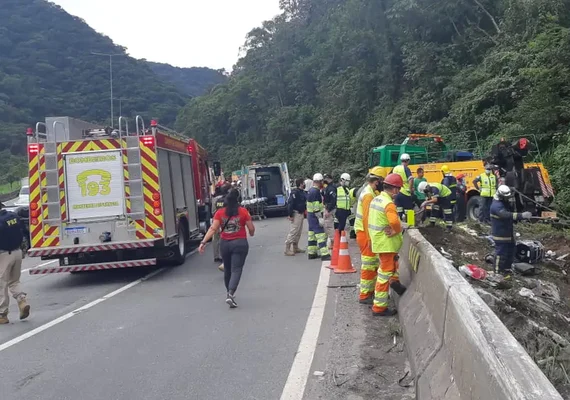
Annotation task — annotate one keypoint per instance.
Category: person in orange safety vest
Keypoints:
(385, 230)
(369, 260)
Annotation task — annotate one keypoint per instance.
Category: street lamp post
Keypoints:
(110, 78)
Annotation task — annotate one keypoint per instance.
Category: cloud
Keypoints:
(183, 33)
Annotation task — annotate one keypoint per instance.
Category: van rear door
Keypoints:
(286, 180)
(251, 183)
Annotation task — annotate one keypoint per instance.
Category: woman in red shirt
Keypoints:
(232, 219)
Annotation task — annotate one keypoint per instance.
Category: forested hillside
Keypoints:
(328, 79)
(47, 68)
(193, 81)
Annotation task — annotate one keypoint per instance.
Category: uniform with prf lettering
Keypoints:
(297, 206)
(11, 237)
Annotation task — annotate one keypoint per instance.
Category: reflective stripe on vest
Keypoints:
(342, 198)
(400, 170)
(488, 185)
(314, 206)
(443, 190)
(352, 195)
(377, 222)
(358, 224)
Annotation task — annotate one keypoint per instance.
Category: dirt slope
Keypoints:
(536, 309)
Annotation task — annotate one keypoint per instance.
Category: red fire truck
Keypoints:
(103, 198)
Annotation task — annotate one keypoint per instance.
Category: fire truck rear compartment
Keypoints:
(110, 256)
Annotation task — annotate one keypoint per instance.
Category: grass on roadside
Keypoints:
(5, 188)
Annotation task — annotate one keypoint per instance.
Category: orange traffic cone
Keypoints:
(344, 263)
(335, 251)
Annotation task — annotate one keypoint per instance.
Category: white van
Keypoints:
(269, 181)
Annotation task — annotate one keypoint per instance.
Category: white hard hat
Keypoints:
(405, 157)
(345, 177)
(318, 177)
(423, 186)
(504, 191)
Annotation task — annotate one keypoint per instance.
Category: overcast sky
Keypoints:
(187, 33)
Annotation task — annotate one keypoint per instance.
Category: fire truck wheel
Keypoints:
(180, 248)
(473, 208)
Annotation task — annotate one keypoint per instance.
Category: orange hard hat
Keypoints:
(394, 180)
(460, 176)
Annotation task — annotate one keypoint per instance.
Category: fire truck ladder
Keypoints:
(51, 189)
(134, 195)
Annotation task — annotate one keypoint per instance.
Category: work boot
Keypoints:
(368, 300)
(398, 288)
(218, 259)
(389, 312)
(313, 256)
(326, 258)
(4, 319)
(288, 251)
(24, 309)
(297, 250)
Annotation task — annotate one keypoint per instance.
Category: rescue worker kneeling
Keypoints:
(386, 238)
(439, 197)
(502, 230)
(369, 260)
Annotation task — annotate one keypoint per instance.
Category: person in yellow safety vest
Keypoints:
(369, 260)
(342, 202)
(385, 230)
(404, 200)
(487, 190)
(450, 181)
(439, 197)
(352, 216)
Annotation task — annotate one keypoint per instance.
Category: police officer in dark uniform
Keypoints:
(218, 204)
(502, 228)
(329, 199)
(297, 206)
(11, 237)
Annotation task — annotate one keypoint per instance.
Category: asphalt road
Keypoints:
(170, 336)
(10, 203)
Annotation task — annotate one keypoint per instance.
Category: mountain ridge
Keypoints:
(48, 68)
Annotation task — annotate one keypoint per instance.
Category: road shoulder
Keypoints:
(356, 357)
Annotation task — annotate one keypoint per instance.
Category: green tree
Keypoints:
(327, 80)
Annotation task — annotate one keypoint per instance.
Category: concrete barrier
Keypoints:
(458, 348)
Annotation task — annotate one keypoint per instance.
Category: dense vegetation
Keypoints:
(47, 68)
(328, 79)
(193, 81)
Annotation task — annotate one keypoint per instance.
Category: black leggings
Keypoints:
(234, 253)
(341, 216)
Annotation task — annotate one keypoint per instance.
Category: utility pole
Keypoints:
(110, 78)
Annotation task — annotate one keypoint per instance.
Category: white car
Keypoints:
(23, 197)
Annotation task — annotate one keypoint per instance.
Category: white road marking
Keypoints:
(297, 379)
(41, 265)
(67, 316)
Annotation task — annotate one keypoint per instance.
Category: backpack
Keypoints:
(11, 235)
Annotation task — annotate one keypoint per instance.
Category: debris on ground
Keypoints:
(533, 302)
